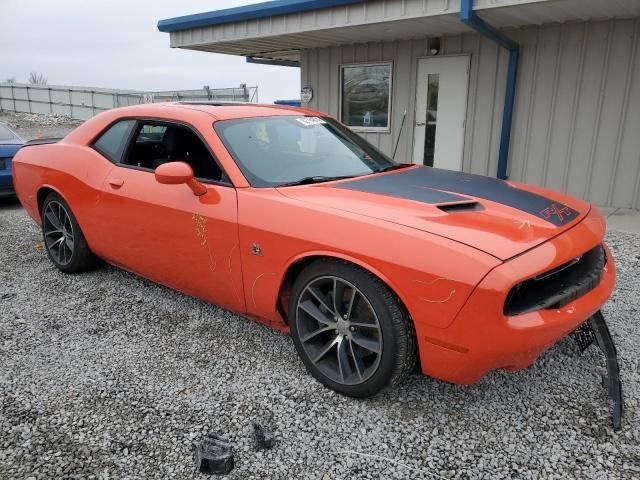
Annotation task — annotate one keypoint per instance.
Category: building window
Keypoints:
(366, 96)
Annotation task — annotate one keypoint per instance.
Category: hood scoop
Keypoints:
(461, 207)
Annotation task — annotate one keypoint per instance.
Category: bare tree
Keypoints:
(10, 80)
(37, 78)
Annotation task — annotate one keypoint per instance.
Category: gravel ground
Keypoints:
(106, 375)
(30, 126)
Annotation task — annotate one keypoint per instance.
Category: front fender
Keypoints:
(433, 276)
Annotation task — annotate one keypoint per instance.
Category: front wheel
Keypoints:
(63, 239)
(351, 332)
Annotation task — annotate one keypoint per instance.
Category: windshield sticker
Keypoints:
(310, 121)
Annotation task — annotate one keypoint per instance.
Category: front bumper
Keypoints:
(482, 338)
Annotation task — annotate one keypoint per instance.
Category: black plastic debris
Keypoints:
(611, 381)
(595, 331)
(583, 336)
(213, 455)
(264, 439)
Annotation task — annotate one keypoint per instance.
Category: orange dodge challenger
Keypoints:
(286, 216)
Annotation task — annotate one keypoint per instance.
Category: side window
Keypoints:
(156, 143)
(112, 142)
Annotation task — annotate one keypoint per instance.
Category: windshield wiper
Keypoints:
(314, 179)
(388, 168)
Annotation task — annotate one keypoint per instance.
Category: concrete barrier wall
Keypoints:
(82, 103)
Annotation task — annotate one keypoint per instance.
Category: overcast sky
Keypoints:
(116, 44)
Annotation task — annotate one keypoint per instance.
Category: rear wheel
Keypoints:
(350, 330)
(64, 241)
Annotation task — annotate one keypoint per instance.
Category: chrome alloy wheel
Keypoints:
(339, 330)
(58, 232)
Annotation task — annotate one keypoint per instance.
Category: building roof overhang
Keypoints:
(281, 29)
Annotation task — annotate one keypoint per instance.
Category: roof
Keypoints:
(248, 12)
(178, 111)
(283, 29)
(217, 111)
(234, 111)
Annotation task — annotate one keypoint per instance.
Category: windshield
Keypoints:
(285, 150)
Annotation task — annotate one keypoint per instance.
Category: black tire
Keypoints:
(395, 336)
(64, 240)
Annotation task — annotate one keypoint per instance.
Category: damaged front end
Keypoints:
(595, 330)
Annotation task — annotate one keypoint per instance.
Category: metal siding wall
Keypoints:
(626, 185)
(577, 113)
(576, 109)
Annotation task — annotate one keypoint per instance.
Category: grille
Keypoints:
(558, 286)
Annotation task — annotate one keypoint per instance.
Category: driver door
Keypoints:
(165, 232)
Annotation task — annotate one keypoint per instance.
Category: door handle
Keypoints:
(420, 124)
(116, 182)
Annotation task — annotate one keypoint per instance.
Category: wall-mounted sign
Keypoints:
(306, 94)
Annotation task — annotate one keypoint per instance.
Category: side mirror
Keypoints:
(176, 173)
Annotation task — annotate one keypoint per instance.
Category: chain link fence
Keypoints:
(82, 103)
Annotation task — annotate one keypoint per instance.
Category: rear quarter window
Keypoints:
(112, 142)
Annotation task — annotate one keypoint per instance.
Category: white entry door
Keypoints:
(441, 109)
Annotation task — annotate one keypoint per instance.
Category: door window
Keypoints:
(155, 143)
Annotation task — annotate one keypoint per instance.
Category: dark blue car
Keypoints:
(10, 143)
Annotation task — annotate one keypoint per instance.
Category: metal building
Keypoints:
(539, 91)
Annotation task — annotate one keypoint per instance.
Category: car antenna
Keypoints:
(404, 116)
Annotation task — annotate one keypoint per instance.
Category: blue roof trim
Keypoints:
(248, 12)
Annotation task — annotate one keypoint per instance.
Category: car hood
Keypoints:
(500, 218)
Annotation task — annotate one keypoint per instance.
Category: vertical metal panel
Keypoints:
(484, 106)
(566, 94)
(577, 114)
(541, 105)
(468, 43)
(589, 107)
(613, 103)
(525, 98)
(500, 85)
(625, 190)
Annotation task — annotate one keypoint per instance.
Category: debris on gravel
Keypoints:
(39, 125)
(264, 439)
(105, 375)
(213, 455)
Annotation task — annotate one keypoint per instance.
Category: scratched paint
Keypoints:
(200, 227)
(232, 281)
(253, 287)
(433, 282)
(523, 223)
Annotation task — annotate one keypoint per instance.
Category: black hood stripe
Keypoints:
(434, 185)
